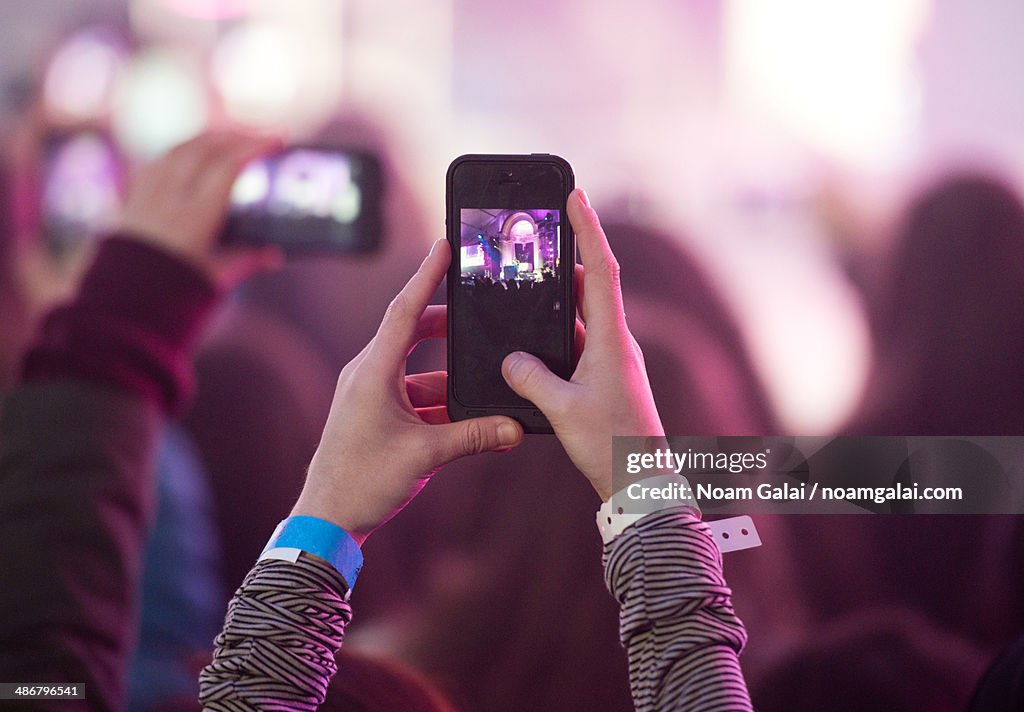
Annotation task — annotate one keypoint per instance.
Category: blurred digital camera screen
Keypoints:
(308, 199)
(81, 189)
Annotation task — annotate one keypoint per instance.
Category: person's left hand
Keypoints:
(179, 202)
(388, 433)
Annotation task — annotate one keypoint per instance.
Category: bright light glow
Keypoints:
(522, 228)
(315, 184)
(347, 203)
(252, 186)
(80, 78)
(256, 70)
(802, 322)
(82, 191)
(282, 67)
(840, 75)
(159, 103)
(472, 256)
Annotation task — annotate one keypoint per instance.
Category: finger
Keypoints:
(226, 157)
(397, 332)
(529, 377)
(579, 277)
(473, 436)
(433, 324)
(184, 166)
(580, 340)
(602, 296)
(435, 415)
(203, 170)
(181, 165)
(427, 390)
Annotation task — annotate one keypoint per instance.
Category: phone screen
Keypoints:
(81, 191)
(509, 296)
(510, 290)
(308, 198)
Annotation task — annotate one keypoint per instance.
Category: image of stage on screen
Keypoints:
(509, 297)
(502, 246)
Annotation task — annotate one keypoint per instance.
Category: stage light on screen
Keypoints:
(841, 75)
(522, 228)
(253, 186)
(256, 69)
(159, 102)
(472, 256)
(348, 203)
(80, 78)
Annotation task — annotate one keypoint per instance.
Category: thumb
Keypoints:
(476, 435)
(530, 378)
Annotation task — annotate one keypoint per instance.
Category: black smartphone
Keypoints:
(309, 199)
(510, 284)
(81, 188)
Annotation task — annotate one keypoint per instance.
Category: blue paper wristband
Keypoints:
(316, 536)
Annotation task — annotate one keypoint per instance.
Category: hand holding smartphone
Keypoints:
(510, 283)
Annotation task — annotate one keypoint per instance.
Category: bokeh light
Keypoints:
(160, 102)
(256, 71)
(80, 79)
(253, 185)
(839, 75)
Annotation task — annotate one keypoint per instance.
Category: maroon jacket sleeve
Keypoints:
(137, 317)
(77, 439)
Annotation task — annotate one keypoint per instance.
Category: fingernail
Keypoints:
(508, 434)
(511, 360)
(583, 197)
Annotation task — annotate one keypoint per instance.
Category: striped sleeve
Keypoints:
(677, 624)
(283, 628)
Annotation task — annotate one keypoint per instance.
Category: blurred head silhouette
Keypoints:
(703, 380)
(950, 327)
(877, 659)
(1001, 688)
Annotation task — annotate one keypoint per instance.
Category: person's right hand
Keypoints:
(609, 393)
(179, 202)
(388, 432)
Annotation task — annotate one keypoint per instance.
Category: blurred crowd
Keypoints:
(488, 591)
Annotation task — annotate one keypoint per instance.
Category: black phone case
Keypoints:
(530, 417)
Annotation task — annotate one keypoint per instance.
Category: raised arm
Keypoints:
(385, 437)
(78, 435)
(676, 622)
